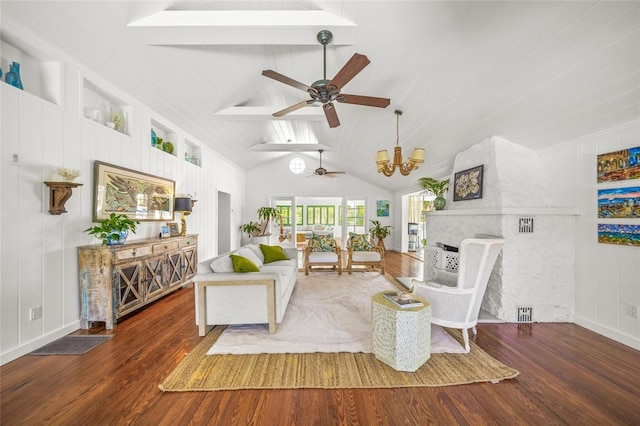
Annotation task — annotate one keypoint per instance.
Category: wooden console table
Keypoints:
(117, 280)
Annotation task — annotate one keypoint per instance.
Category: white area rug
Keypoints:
(326, 313)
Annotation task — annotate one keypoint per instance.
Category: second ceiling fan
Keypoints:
(321, 171)
(327, 91)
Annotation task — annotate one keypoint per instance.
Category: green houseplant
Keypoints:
(268, 213)
(251, 228)
(114, 230)
(437, 188)
(261, 229)
(380, 232)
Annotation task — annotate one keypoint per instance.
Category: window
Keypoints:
(285, 211)
(296, 165)
(321, 215)
(355, 216)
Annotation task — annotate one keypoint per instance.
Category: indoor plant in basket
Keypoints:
(380, 232)
(114, 230)
(266, 214)
(437, 188)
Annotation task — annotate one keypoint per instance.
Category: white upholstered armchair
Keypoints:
(455, 285)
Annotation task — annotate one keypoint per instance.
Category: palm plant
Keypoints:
(436, 187)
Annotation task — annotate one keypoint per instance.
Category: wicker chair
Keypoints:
(317, 254)
(455, 285)
(373, 257)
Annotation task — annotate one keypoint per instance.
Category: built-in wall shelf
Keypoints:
(163, 138)
(192, 153)
(102, 107)
(40, 76)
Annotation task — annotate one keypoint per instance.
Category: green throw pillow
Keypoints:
(273, 253)
(360, 242)
(242, 264)
(321, 242)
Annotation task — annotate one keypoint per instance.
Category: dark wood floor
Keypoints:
(568, 375)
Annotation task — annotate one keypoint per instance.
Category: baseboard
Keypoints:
(486, 318)
(625, 339)
(16, 353)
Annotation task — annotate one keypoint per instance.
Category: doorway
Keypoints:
(224, 222)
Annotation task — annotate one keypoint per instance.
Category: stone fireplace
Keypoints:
(537, 265)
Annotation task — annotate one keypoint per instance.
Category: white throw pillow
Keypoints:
(257, 251)
(222, 264)
(249, 254)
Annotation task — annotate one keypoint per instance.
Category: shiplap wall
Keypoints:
(608, 276)
(38, 250)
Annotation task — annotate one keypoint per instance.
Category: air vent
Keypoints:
(525, 225)
(525, 314)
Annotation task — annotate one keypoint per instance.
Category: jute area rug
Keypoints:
(325, 370)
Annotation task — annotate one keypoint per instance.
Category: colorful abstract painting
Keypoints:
(382, 208)
(619, 165)
(619, 203)
(613, 233)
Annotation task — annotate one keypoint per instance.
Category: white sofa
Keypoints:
(244, 297)
(309, 230)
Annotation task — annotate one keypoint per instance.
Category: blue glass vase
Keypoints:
(13, 76)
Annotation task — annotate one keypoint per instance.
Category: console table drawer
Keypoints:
(161, 248)
(187, 242)
(132, 253)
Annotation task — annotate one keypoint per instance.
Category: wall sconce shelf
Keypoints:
(59, 193)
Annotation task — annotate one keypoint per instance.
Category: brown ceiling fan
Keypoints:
(326, 91)
(321, 171)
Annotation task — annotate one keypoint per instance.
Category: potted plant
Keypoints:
(380, 232)
(114, 230)
(251, 228)
(266, 214)
(437, 188)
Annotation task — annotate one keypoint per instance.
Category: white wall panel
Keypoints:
(29, 244)
(607, 275)
(52, 225)
(10, 211)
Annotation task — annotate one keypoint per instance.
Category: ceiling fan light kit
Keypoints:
(327, 91)
(386, 167)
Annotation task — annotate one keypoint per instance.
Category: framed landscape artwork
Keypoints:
(467, 184)
(619, 203)
(140, 196)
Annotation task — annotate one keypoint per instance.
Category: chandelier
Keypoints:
(384, 164)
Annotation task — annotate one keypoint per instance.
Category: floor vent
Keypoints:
(525, 314)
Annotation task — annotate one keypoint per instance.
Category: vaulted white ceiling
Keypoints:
(535, 73)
